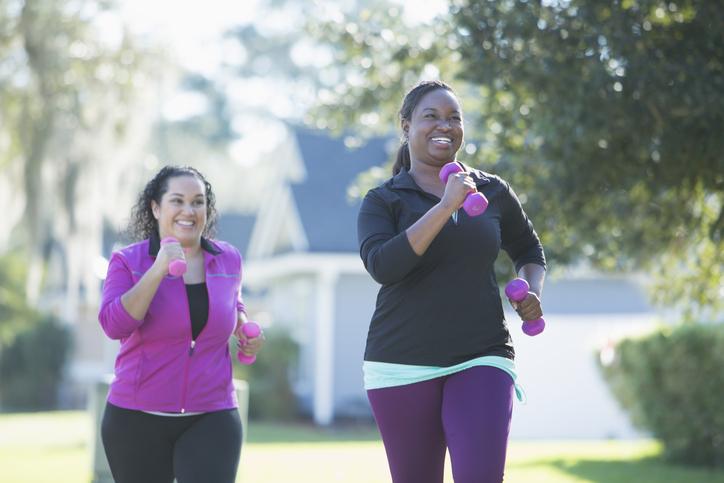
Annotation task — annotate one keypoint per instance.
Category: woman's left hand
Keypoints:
(529, 308)
(247, 345)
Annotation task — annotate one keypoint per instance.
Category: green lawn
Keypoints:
(54, 447)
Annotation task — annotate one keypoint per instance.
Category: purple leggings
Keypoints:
(468, 412)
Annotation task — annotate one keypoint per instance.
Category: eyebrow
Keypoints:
(435, 109)
(182, 195)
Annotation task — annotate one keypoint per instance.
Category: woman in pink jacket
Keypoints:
(171, 409)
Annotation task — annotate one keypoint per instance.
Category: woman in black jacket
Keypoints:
(438, 366)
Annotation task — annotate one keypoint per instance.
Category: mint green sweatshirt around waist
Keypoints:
(379, 375)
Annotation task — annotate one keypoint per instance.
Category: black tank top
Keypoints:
(198, 307)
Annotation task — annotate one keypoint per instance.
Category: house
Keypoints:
(303, 254)
(302, 262)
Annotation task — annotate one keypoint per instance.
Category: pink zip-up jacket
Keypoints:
(159, 367)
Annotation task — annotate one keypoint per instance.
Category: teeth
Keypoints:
(444, 140)
(185, 223)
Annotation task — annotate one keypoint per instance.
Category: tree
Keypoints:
(244, 105)
(606, 117)
(72, 82)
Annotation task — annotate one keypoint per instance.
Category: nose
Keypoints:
(444, 124)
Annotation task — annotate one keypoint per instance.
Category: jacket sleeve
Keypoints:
(518, 238)
(240, 306)
(115, 320)
(386, 254)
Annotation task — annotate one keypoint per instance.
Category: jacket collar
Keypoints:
(403, 180)
(154, 245)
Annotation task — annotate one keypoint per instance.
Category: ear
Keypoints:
(155, 209)
(405, 127)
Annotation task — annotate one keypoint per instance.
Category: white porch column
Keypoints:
(324, 343)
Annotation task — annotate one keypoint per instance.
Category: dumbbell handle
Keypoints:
(517, 290)
(177, 266)
(475, 202)
(251, 330)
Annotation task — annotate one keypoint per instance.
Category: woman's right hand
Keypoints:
(168, 252)
(456, 190)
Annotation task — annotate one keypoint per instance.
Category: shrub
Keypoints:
(270, 391)
(15, 314)
(31, 366)
(672, 385)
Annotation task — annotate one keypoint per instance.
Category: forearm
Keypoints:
(423, 231)
(137, 300)
(534, 274)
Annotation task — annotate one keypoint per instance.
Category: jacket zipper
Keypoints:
(186, 377)
(191, 349)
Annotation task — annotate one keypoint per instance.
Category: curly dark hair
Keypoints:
(143, 224)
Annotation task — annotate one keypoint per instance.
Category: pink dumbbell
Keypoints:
(176, 267)
(475, 202)
(517, 291)
(251, 330)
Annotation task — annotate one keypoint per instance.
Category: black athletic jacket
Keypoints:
(443, 307)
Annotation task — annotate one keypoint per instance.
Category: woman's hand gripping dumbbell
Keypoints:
(250, 330)
(517, 291)
(475, 202)
(177, 266)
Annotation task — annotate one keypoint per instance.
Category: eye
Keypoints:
(199, 202)
(429, 115)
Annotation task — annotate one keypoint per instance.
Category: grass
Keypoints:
(54, 447)
(45, 447)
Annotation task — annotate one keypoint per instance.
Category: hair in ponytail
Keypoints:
(403, 158)
(409, 103)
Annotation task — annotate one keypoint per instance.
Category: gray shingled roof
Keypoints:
(328, 217)
(236, 229)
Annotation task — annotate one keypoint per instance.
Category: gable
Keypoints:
(327, 214)
(277, 228)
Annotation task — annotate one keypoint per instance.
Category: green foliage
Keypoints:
(33, 346)
(270, 390)
(691, 279)
(71, 80)
(377, 58)
(31, 367)
(670, 383)
(15, 314)
(627, 101)
(605, 118)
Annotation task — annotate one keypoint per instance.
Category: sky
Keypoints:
(193, 30)
(193, 34)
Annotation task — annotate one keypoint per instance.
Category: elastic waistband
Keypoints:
(378, 375)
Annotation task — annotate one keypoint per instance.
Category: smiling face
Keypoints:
(182, 210)
(435, 129)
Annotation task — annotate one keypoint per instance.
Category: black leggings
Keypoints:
(144, 447)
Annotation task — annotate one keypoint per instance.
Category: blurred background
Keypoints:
(605, 117)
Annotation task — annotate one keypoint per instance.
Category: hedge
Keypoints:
(32, 365)
(672, 385)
